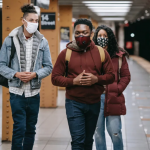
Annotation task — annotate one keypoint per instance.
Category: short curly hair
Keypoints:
(112, 44)
(84, 21)
(28, 8)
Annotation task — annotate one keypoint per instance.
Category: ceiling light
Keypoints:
(126, 21)
(109, 10)
(132, 35)
(74, 19)
(112, 18)
(138, 19)
(142, 17)
(107, 2)
(147, 14)
(111, 14)
(146, 11)
(108, 5)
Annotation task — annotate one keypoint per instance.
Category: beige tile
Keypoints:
(55, 147)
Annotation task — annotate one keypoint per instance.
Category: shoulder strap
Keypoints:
(67, 59)
(120, 65)
(13, 50)
(102, 53)
(68, 54)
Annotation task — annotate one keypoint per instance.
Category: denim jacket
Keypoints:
(42, 66)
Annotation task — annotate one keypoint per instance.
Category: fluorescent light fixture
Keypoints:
(107, 2)
(112, 14)
(113, 18)
(108, 5)
(109, 10)
(116, 8)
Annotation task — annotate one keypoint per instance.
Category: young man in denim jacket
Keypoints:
(30, 64)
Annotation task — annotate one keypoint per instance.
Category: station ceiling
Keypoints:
(118, 10)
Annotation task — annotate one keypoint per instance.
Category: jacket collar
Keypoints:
(19, 31)
(73, 46)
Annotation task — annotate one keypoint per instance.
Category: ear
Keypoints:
(92, 34)
(23, 20)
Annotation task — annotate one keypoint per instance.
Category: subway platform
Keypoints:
(52, 128)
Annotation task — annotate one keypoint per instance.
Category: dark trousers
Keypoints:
(25, 113)
(82, 120)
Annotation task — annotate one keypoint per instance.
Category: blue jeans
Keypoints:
(114, 126)
(25, 113)
(82, 120)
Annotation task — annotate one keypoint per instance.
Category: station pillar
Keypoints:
(49, 92)
(65, 14)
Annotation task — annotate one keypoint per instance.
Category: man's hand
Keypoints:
(88, 79)
(77, 80)
(25, 76)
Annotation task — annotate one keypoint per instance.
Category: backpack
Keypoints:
(3, 80)
(69, 52)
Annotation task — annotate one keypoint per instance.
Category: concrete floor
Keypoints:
(52, 127)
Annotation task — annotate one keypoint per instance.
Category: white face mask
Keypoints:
(31, 27)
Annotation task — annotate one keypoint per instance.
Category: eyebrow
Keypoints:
(81, 31)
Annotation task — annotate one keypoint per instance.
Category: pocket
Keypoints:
(112, 99)
(69, 108)
(40, 55)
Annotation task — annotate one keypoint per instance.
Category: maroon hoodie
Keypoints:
(88, 60)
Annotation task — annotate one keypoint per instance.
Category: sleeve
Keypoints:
(58, 72)
(46, 63)
(108, 76)
(124, 76)
(4, 61)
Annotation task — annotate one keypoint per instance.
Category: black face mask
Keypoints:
(103, 42)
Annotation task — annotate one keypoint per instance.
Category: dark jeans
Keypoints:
(25, 113)
(82, 120)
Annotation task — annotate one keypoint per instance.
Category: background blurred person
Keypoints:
(112, 101)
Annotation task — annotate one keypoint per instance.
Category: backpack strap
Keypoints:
(120, 65)
(67, 59)
(102, 53)
(68, 54)
(13, 50)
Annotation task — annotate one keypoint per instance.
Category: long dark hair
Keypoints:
(112, 44)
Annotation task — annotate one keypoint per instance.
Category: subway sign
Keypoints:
(48, 21)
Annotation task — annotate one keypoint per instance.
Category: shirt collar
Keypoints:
(28, 38)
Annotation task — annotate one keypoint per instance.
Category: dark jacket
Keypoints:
(115, 101)
(89, 61)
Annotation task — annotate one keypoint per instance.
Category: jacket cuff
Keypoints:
(100, 79)
(69, 82)
(38, 75)
(120, 90)
(13, 75)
